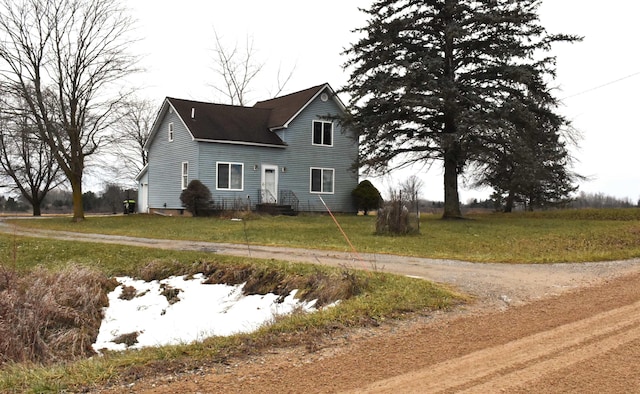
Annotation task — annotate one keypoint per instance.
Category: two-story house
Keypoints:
(287, 150)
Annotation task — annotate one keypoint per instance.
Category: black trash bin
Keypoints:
(129, 206)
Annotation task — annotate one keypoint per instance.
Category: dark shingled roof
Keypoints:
(286, 107)
(221, 122)
(254, 125)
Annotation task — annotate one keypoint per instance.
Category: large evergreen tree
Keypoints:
(429, 80)
(528, 162)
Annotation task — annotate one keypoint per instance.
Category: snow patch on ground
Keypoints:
(202, 311)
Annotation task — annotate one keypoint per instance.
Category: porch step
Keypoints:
(276, 209)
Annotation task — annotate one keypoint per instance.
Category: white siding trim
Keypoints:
(166, 108)
(239, 143)
(184, 178)
(323, 122)
(322, 170)
(142, 172)
(241, 176)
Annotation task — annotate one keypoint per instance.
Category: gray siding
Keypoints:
(165, 168)
(250, 156)
(301, 155)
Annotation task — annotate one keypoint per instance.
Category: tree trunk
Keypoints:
(451, 197)
(508, 207)
(36, 209)
(76, 190)
(451, 148)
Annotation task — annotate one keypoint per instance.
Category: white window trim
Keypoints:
(184, 179)
(313, 122)
(241, 172)
(170, 132)
(333, 180)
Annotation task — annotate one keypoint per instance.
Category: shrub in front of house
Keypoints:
(196, 198)
(367, 197)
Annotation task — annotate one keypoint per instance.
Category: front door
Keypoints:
(269, 184)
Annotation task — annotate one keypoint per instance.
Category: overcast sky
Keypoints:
(597, 78)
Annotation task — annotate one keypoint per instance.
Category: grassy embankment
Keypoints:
(40, 280)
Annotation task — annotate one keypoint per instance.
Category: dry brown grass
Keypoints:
(170, 293)
(50, 316)
(129, 339)
(158, 270)
(326, 288)
(322, 286)
(128, 293)
(394, 218)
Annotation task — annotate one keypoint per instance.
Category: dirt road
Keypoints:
(534, 328)
(585, 341)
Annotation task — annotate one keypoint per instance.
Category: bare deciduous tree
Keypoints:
(136, 119)
(25, 159)
(237, 67)
(411, 190)
(75, 52)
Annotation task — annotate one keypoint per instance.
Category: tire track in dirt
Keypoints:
(519, 362)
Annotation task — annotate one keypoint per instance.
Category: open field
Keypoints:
(536, 237)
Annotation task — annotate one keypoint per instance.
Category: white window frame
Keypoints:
(230, 164)
(322, 171)
(170, 132)
(184, 179)
(313, 131)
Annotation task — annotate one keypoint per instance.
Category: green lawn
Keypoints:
(537, 237)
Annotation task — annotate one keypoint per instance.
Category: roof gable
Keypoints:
(285, 108)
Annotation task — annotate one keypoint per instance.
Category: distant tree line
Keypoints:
(109, 200)
(582, 200)
(12, 204)
(601, 200)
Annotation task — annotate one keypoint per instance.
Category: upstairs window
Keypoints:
(322, 133)
(230, 176)
(322, 180)
(170, 132)
(185, 174)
